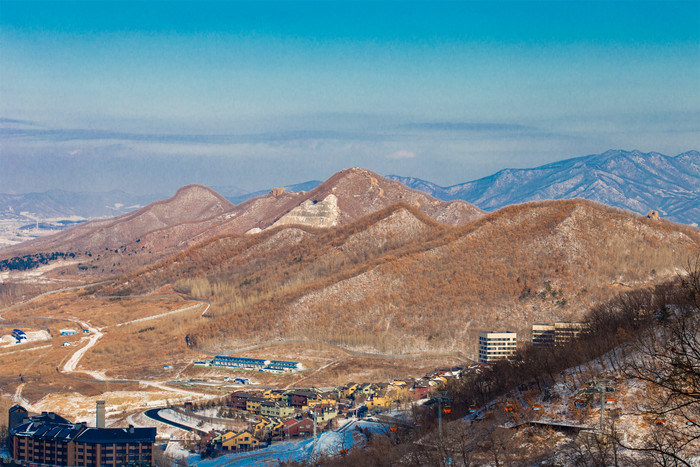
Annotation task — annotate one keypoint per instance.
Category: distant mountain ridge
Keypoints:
(630, 180)
(191, 209)
(62, 204)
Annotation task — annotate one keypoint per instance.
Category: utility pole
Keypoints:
(602, 388)
(602, 408)
(440, 417)
(314, 414)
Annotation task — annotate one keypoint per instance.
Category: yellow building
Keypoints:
(243, 440)
(259, 427)
(323, 414)
(378, 401)
(276, 409)
(349, 389)
(224, 437)
(367, 389)
(252, 405)
(438, 381)
(272, 394)
(321, 401)
(397, 391)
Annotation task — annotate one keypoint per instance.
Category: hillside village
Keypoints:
(521, 308)
(570, 404)
(275, 415)
(599, 402)
(580, 406)
(205, 260)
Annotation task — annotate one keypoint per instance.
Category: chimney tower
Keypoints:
(100, 415)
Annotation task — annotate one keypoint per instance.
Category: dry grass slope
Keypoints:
(396, 281)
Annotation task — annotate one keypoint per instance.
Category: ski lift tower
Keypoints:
(441, 399)
(602, 387)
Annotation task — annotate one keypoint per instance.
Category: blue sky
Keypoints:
(148, 96)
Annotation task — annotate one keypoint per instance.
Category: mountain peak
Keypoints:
(191, 206)
(190, 202)
(360, 192)
(198, 191)
(631, 180)
(689, 154)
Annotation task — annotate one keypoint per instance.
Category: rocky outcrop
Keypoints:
(312, 213)
(277, 192)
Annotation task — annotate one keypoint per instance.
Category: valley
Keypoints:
(349, 233)
(360, 280)
(14, 231)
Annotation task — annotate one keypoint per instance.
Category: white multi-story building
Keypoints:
(495, 345)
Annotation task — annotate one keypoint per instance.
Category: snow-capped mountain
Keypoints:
(631, 180)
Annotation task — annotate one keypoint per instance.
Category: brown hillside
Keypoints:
(289, 250)
(355, 193)
(192, 206)
(534, 263)
(361, 192)
(195, 214)
(397, 281)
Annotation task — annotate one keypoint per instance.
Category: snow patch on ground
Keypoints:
(78, 407)
(32, 336)
(34, 275)
(302, 451)
(191, 422)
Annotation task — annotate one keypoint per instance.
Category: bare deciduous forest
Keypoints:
(649, 336)
(415, 284)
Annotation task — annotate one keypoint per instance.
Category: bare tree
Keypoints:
(667, 358)
(595, 449)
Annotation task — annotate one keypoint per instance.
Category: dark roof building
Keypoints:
(49, 417)
(116, 435)
(49, 439)
(16, 416)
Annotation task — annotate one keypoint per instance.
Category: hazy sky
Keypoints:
(148, 96)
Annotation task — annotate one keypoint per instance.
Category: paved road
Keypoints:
(73, 361)
(153, 414)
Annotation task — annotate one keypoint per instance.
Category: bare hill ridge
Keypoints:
(197, 213)
(397, 281)
(191, 204)
(353, 193)
(361, 192)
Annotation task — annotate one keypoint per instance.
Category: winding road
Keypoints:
(71, 364)
(153, 414)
